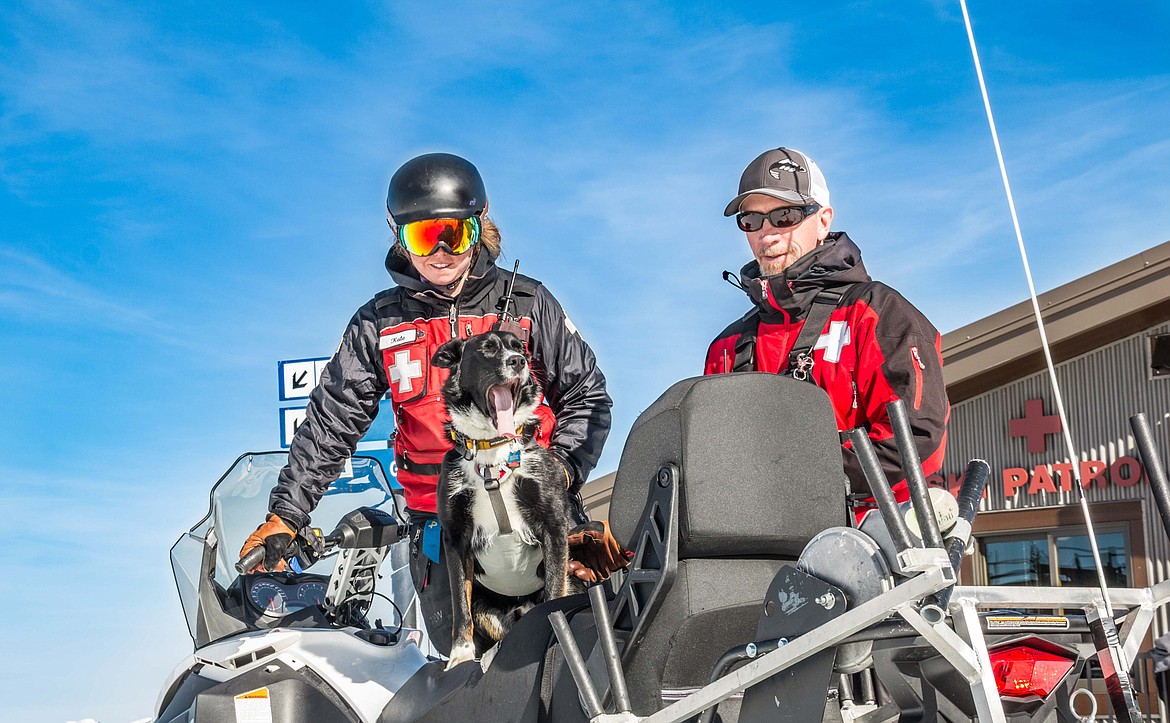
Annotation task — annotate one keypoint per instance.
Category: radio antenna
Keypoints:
(1072, 450)
(508, 321)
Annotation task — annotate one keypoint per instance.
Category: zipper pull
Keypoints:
(454, 319)
(917, 359)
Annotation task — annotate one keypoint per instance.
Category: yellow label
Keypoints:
(253, 707)
(258, 693)
(1012, 622)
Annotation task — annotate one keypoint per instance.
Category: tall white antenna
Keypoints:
(1072, 450)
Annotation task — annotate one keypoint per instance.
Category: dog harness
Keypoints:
(493, 475)
(510, 563)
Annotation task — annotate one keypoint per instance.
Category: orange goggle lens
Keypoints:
(423, 238)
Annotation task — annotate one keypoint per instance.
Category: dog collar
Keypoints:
(468, 446)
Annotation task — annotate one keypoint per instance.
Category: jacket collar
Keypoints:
(479, 282)
(834, 264)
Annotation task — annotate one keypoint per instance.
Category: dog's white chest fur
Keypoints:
(510, 562)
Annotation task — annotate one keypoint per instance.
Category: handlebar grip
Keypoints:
(254, 557)
(970, 493)
(915, 480)
(1155, 470)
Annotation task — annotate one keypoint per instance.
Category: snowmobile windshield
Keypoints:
(239, 502)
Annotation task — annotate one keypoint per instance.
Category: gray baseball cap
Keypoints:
(784, 173)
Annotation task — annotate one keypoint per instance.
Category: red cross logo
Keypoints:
(1035, 426)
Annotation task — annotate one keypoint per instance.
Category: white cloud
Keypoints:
(36, 290)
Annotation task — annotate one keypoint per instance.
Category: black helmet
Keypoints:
(435, 185)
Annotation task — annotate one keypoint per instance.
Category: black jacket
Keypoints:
(393, 336)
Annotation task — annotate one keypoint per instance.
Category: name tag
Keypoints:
(389, 341)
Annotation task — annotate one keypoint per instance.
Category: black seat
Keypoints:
(512, 689)
(756, 462)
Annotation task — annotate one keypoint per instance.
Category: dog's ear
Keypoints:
(448, 355)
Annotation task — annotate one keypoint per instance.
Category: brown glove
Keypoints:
(594, 554)
(275, 536)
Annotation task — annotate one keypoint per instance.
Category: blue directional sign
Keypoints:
(297, 377)
(291, 418)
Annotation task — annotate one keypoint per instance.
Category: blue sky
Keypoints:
(190, 192)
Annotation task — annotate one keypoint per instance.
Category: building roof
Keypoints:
(1082, 315)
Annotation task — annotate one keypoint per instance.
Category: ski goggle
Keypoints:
(423, 238)
(783, 217)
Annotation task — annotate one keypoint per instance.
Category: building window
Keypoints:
(1160, 355)
(1058, 557)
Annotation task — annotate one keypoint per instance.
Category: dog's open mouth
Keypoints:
(501, 403)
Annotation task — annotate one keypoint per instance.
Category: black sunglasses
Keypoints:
(782, 217)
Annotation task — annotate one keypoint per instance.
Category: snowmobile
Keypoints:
(753, 595)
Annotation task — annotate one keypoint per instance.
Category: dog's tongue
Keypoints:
(502, 400)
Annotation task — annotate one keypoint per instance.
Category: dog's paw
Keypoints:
(488, 656)
(460, 654)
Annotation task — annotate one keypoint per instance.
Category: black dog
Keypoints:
(501, 501)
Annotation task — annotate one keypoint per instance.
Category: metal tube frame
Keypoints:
(964, 647)
(572, 653)
(613, 663)
(882, 494)
(984, 691)
(901, 597)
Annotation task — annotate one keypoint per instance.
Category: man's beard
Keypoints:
(773, 266)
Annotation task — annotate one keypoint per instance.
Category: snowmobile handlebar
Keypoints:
(365, 527)
(248, 562)
(970, 493)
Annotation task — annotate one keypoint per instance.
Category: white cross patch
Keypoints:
(834, 340)
(404, 371)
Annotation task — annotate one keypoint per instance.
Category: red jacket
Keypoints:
(875, 348)
(386, 350)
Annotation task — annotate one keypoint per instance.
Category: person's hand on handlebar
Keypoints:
(275, 537)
